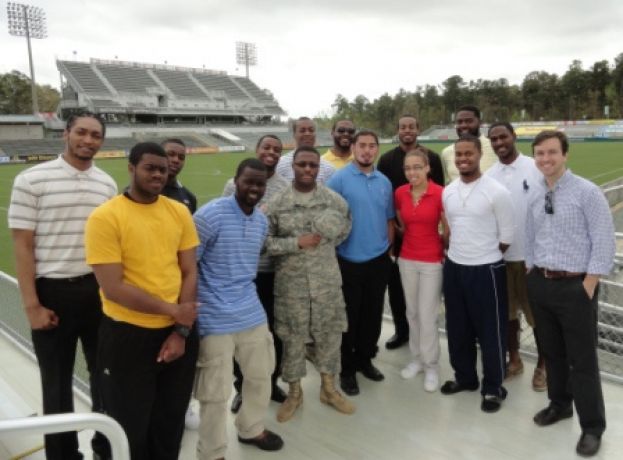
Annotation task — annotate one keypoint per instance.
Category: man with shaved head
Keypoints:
(467, 121)
(304, 131)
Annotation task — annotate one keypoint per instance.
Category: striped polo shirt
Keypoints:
(227, 258)
(54, 200)
(274, 185)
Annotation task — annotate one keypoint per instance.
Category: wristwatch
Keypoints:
(182, 330)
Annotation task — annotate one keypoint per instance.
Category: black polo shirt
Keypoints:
(180, 193)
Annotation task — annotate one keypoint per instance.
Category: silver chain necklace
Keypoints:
(466, 197)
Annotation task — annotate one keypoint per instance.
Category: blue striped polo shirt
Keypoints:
(227, 259)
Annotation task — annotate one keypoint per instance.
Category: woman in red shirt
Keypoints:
(419, 212)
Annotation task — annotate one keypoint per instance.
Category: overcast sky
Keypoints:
(309, 51)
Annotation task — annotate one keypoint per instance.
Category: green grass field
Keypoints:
(205, 175)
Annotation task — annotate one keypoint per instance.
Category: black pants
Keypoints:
(363, 285)
(567, 330)
(77, 303)
(265, 282)
(147, 398)
(477, 310)
(397, 297)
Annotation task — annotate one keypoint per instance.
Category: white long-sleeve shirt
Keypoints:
(480, 216)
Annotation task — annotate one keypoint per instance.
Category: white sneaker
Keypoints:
(412, 369)
(192, 418)
(431, 380)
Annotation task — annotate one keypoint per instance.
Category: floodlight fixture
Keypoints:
(27, 21)
(246, 53)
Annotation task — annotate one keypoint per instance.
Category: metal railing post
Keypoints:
(47, 424)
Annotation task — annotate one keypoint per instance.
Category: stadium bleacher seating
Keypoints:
(117, 87)
(577, 129)
(31, 146)
(23, 147)
(128, 79)
(253, 89)
(221, 83)
(180, 83)
(86, 77)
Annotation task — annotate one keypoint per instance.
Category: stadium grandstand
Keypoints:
(210, 110)
(577, 129)
(155, 93)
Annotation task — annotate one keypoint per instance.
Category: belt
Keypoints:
(558, 274)
(71, 280)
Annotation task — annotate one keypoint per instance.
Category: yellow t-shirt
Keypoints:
(336, 162)
(145, 239)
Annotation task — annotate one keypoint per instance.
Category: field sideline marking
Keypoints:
(605, 174)
(214, 172)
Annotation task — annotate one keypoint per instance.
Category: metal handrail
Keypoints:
(47, 424)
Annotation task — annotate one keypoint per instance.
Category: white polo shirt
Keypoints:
(520, 178)
(54, 200)
(480, 216)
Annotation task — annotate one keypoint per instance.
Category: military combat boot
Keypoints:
(329, 395)
(292, 402)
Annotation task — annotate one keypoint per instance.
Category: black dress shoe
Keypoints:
(349, 385)
(451, 387)
(491, 403)
(265, 441)
(369, 371)
(551, 415)
(396, 341)
(277, 394)
(588, 445)
(236, 403)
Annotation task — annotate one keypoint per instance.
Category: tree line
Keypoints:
(580, 93)
(15, 95)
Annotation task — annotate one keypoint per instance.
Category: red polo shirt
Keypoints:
(421, 240)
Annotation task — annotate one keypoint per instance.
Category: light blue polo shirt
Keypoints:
(227, 259)
(369, 197)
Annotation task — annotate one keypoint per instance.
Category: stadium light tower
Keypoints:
(246, 53)
(27, 21)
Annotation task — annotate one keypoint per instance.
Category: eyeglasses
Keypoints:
(306, 164)
(414, 168)
(342, 130)
(549, 202)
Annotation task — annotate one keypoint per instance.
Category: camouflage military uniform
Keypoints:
(309, 305)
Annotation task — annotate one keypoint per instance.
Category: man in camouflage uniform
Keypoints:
(306, 222)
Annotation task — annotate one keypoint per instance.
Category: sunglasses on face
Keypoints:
(549, 202)
(345, 130)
